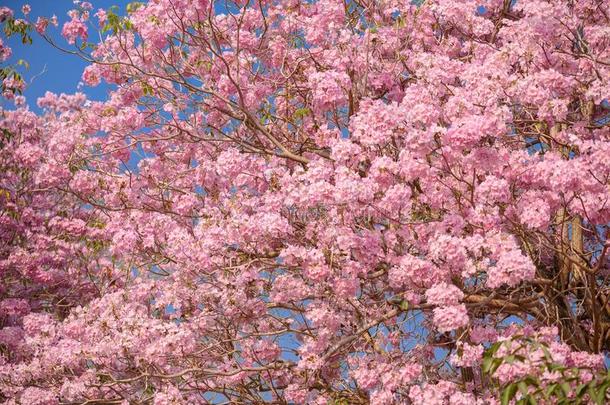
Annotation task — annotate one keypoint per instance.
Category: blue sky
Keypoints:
(50, 69)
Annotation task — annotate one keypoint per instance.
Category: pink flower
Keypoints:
(511, 371)
(494, 190)
(14, 306)
(329, 89)
(467, 355)
(74, 29)
(38, 396)
(294, 393)
(91, 75)
(409, 372)
(411, 270)
(169, 395)
(511, 269)
(292, 203)
(20, 101)
(444, 294)
(41, 25)
(5, 51)
(5, 13)
(101, 16)
(450, 318)
(366, 378)
(589, 360)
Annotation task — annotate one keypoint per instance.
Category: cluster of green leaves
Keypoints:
(10, 71)
(5, 137)
(18, 27)
(569, 388)
(15, 27)
(117, 23)
(300, 113)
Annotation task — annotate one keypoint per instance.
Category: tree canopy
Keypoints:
(309, 202)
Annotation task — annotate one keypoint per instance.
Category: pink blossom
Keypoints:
(511, 268)
(14, 306)
(512, 371)
(5, 51)
(584, 359)
(303, 202)
(91, 76)
(470, 355)
(38, 396)
(74, 29)
(329, 89)
(449, 318)
(444, 294)
(295, 394)
(41, 25)
(20, 101)
(101, 16)
(411, 269)
(5, 13)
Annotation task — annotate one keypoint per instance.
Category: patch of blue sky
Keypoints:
(200, 190)
(135, 157)
(215, 397)
(226, 7)
(49, 68)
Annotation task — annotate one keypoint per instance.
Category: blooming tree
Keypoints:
(330, 202)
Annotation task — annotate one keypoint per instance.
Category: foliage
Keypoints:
(543, 378)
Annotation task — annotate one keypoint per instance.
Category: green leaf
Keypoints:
(133, 6)
(533, 381)
(508, 394)
(600, 398)
(491, 364)
(557, 367)
(494, 348)
(594, 395)
(550, 389)
(147, 89)
(301, 112)
(523, 387)
(547, 354)
(487, 364)
(566, 388)
(22, 62)
(581, 390)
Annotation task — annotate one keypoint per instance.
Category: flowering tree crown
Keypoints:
(330, 202)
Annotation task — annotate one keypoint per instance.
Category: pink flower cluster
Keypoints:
(74, 29)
